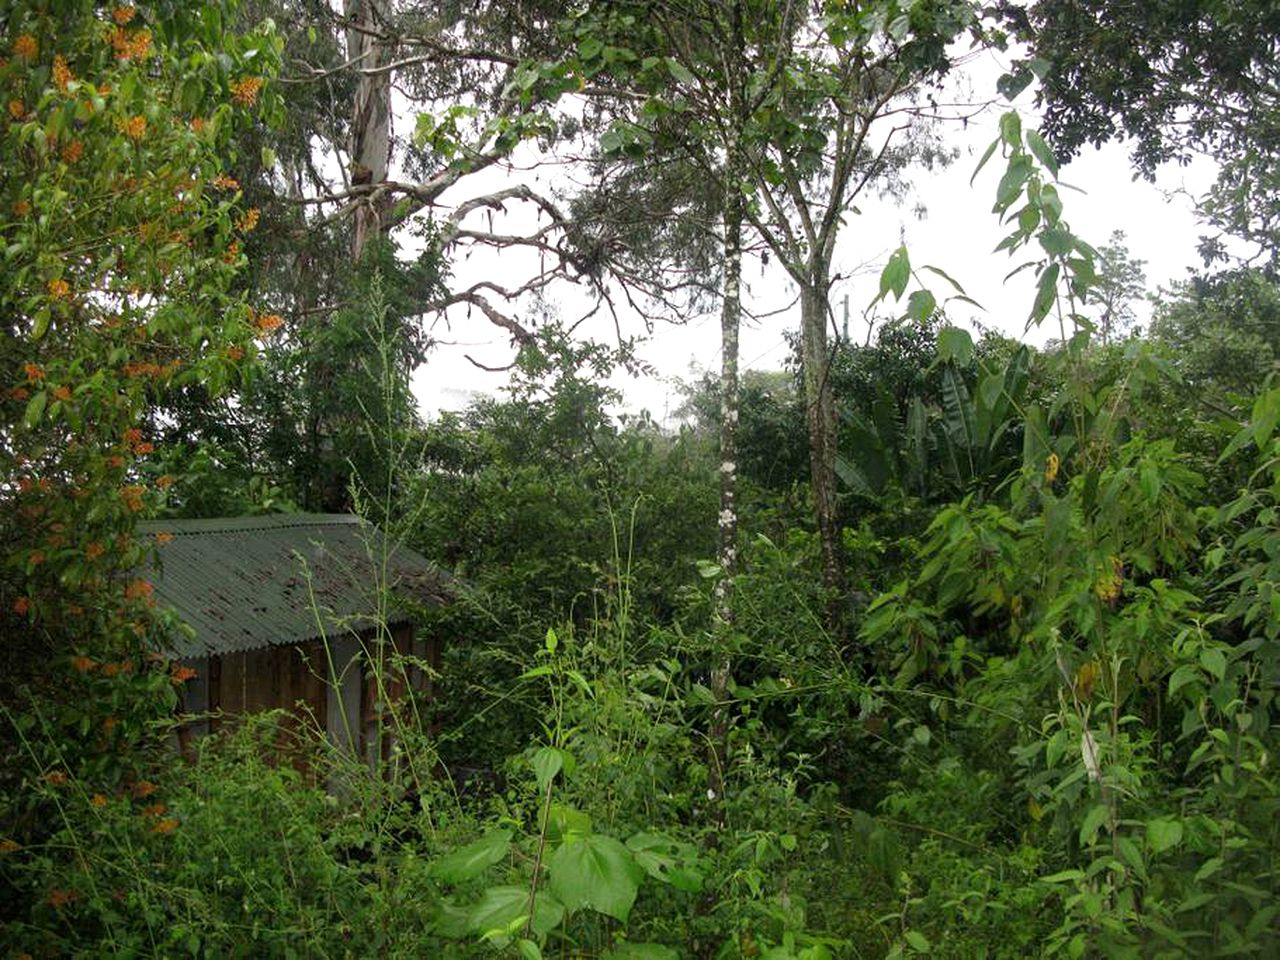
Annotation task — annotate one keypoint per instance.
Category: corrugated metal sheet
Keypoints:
(249, 582)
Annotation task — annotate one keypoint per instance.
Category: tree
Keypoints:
(1120, 281)
(122, 234)
(1198, 77)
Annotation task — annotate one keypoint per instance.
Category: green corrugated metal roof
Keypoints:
(247, 582)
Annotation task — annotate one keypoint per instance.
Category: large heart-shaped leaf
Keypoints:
(596, 872)
(473, 859)
(501, 907)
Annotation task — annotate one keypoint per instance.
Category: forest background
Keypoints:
(928, 644)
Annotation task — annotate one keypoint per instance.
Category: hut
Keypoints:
(298, 612)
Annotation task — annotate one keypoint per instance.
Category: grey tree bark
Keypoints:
(371, 115)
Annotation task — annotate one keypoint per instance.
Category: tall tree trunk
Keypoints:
(730, 319)
(820, 418)
(371, 116)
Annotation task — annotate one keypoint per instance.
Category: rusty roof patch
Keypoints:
(247, 582)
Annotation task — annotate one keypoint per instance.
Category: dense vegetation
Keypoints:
(981, 662)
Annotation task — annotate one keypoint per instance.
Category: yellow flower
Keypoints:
(1051, 468)
(17, 109)
(249, 220)
(98, 800)
(59, 289)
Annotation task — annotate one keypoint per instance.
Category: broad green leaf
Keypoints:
(1011, 129)
(666, 860)
(920, 305)
(1164, 833)
(596, 872)
(35, 409)
(1214, 662)
(501, 907)
(473, 859)
(562, 820)
(1093, 822)
(679, 71)
(1181, 677)
(547, 762)
(41, 324)
(1041, 151)
(955, 346)
(529, 950)
(1046, 293)
(918, 941)
(896, 274)
(1056, 241)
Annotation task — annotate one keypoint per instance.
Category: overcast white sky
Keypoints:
(957, 233)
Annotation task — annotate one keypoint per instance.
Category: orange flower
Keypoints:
(61, 73)
(139, 47)
(168, 825)
(110, 669)
(232, 253)
(95, 549)
(59, 898)
(143, 449)
(59, 289)
(123, 14)
(26, 47)
(224, 182)
(62, 393)
(164, 483)
(132, 435)
(19, 393)
(267, 322)
(109, 724)
(8, 846)
(21, 606)
(235, 352)
(33, 371)
(17, 109)
(37, 558)
(249, 220)
(22, 208)
(135, 128)
(154, 810)
(115, 461)
(183, 674)
(245, 92)
(132, 496)
(98, 800)
(82, 664)
(138, 590)
(72, 152)
(163, 537)
(56, 777)
(197, 124)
